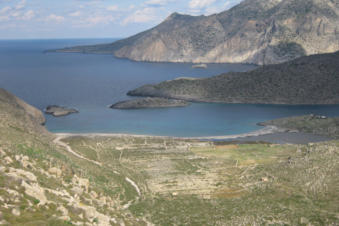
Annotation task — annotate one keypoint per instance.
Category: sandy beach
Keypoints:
(270, 134)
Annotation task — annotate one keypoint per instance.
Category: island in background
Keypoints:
(149, 102)
(254, 31)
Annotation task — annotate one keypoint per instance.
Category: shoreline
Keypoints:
(264, 131)
(270, 134)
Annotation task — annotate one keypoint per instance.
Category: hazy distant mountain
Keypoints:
(307, 80)
(255, 31)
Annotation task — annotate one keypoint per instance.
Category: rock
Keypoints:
(35, 191)
(13, 193)
(8, 160)
(21, 174)
(149, 103)
(58, 111)
(24, 161)
(82, 182)
(93, 195)
(90, 212)
(2, 153)
(16, 212)
(264, 179)
(3, 222)
(63, 210)
(55, 171)
(77, 190)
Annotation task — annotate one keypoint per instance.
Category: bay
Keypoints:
(91, 83)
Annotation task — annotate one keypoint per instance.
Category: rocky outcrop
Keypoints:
(149, 103)
(307, 80)
(255, 31)
(58, 111)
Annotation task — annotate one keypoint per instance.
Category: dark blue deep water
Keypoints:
(92, 82)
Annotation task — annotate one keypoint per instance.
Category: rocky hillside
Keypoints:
(43, 183)
(50, 179)
(255, 31)
(307, 80)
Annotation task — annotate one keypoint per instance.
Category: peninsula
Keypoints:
(149, 102)
(306, 80)
(254, 31)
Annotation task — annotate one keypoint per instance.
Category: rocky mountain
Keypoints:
(306, 80)
(255, 31)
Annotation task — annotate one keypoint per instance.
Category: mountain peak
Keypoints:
(254, 31)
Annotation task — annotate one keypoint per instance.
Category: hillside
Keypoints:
(308, 124)
(306, 80)
(49, 179)
(255, 31)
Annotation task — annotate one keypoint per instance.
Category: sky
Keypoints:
(29, 19)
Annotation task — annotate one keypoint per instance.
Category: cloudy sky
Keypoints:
(20, 19)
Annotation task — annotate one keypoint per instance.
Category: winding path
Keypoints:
(58, 141)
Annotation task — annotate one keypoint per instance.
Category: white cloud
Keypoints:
(141, 16)
(21, 4)
(75, 14)
(5, 9)
(4, 18)
(101, 19)
(16, 13)
(55, 18)
(112, 8)
(28, 15)
(157, 2)
(200, 4)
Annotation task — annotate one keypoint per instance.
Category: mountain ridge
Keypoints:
(257, 32)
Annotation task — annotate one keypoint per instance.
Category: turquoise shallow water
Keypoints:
(92, 82)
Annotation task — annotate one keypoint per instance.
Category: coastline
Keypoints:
(270, 134)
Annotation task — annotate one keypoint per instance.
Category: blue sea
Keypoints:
(91, 83)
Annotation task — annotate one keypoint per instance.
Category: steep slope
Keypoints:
(42, 183)
(307, 80)
(255, 31)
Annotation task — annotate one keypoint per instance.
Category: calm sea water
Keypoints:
(92, 82)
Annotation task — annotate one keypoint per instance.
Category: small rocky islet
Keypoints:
(149, 102)
(59, 111)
